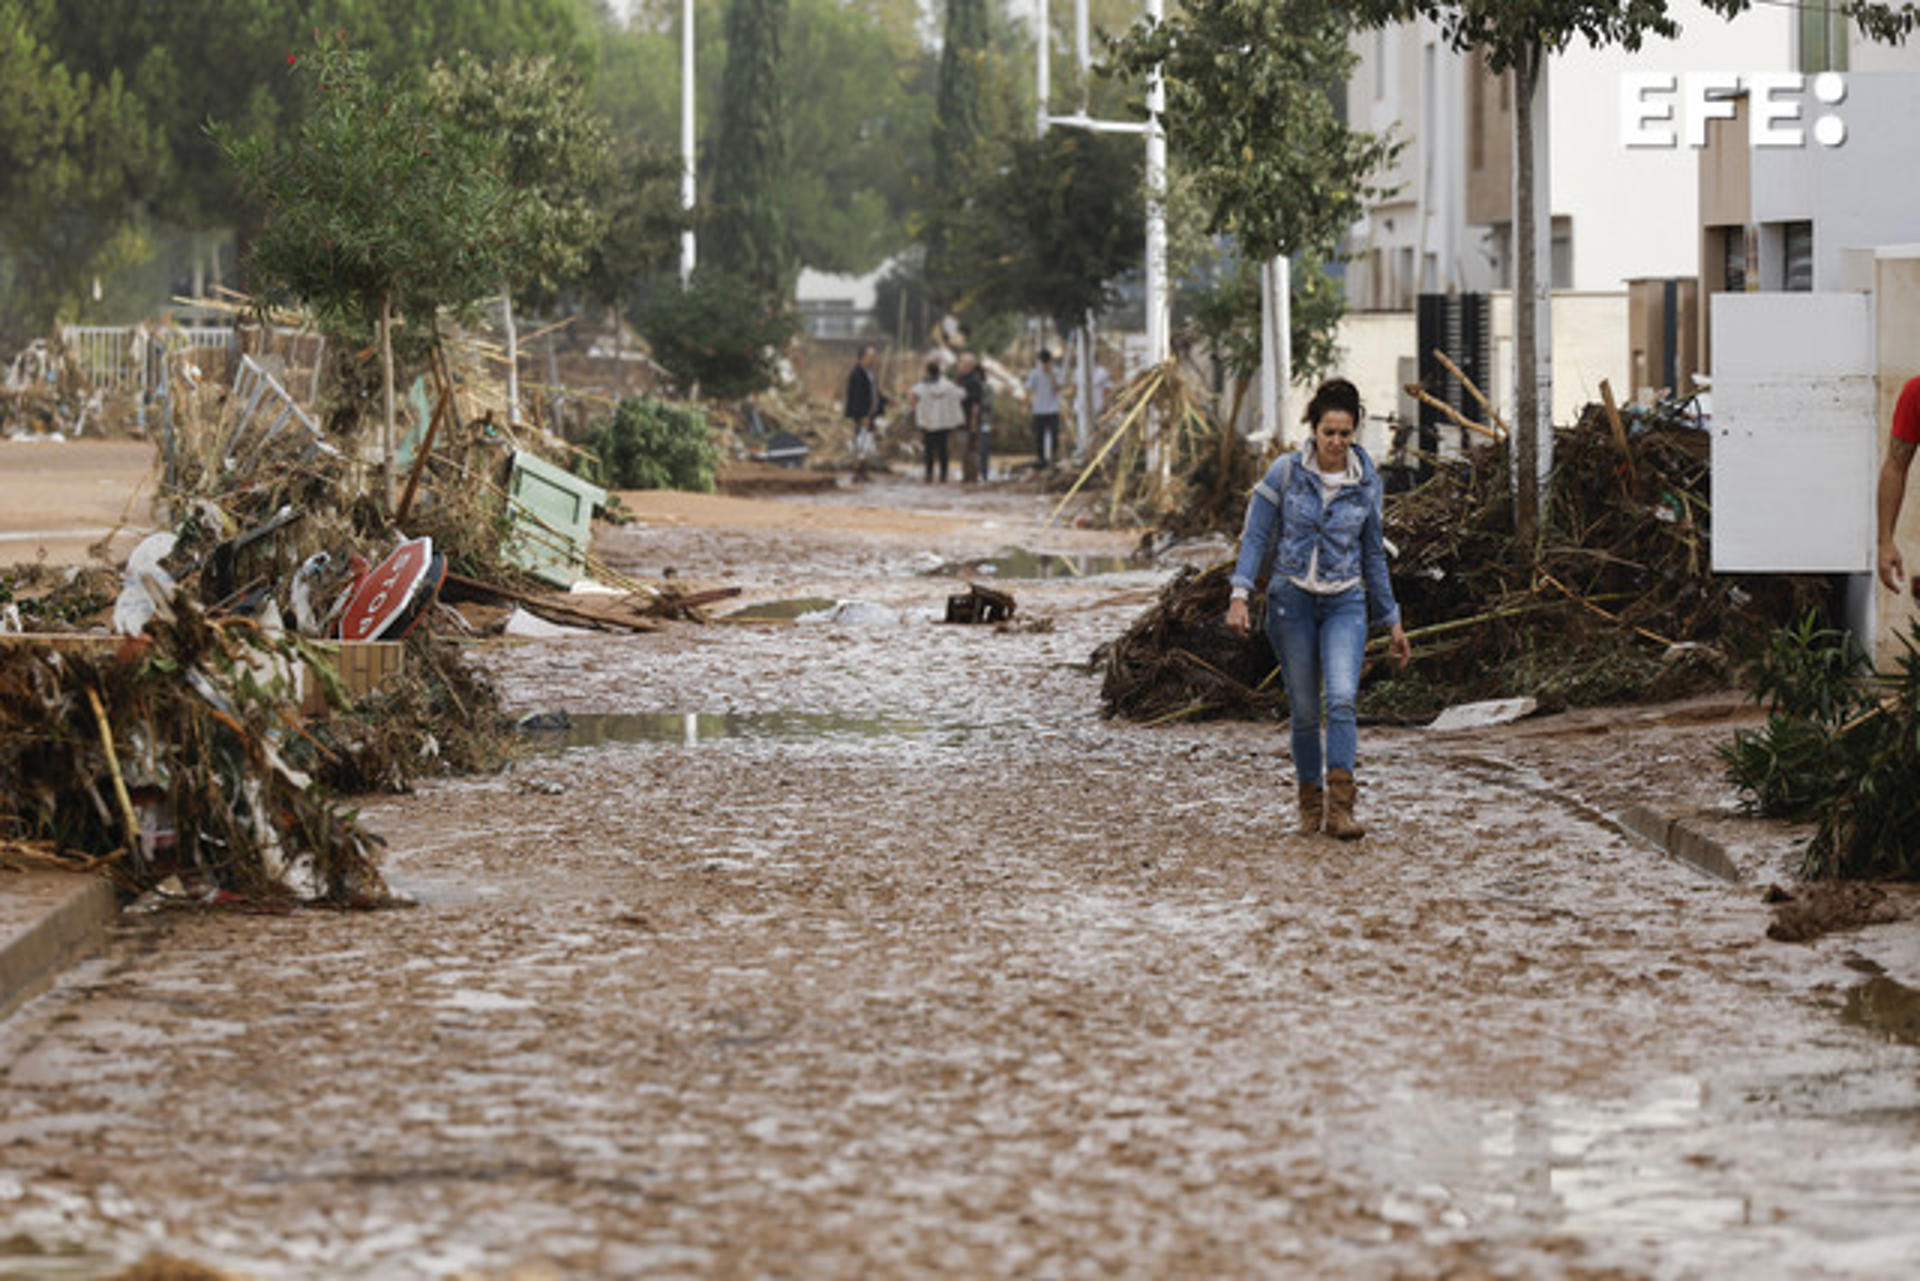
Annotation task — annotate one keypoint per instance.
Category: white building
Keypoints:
(836, 306)
(1619, 213)
(1810, 265)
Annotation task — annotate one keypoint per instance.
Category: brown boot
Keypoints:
(1340, 799)
(1312, 801)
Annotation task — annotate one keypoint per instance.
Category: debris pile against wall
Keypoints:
(175, 754)
(202, 739)
(1617, 602)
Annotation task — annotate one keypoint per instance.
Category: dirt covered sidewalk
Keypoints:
(869, 948)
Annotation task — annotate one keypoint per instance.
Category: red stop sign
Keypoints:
(386, 591)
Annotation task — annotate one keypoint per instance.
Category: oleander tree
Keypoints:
(1263, 152)
(555, 159)
(379, 208)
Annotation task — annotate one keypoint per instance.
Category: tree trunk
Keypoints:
(1526, 355)
(619, 354)
(555, 401)
(513, 354)
(386, 394)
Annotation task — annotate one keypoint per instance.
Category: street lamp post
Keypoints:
(1158, 317)
(688, 249)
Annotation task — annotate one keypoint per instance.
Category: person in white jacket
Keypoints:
(1043, 393)
(937, 411)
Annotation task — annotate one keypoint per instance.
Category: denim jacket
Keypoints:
(1287, 518)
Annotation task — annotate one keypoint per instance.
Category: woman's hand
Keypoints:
(1400, 647)
(1238, 620)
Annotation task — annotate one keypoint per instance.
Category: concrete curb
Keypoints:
(59, 918)
(1682, 841)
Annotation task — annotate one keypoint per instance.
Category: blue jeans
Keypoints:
(1319, 641)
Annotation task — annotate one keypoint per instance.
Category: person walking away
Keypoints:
(1893, 482)
(937, 410)
(1315, 517)
(1043, 394)
(979, 426)
(862, 407)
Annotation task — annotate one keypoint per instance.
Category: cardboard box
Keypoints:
(363, 667)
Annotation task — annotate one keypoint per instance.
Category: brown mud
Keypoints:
(900, 960)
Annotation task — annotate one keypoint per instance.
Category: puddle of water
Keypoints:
(775, 611)
(598, 729)
(1018, 562)
(1888, 1009)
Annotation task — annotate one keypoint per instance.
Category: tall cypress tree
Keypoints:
(957, 130)
(747, 237)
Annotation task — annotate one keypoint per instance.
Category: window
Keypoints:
(1823, 36)
(1733, 258)
(1796, 245)
(1560, 253)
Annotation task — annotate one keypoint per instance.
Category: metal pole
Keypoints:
(1082, 45)
(1043, 73)
(1269, 375)
(1083, 390)
(688, 253)
(1158, 344)
(1157, 337)
(1282, 269)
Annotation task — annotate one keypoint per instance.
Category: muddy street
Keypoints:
(867, 947)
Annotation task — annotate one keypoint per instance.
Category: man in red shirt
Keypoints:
(1893, 480)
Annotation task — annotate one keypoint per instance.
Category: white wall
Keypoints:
(1636, 211)
(1407, 82)
(1865, 55)
(1861, 194)
(1589, 344)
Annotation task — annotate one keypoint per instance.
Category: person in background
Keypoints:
(978, 402)
(1893, 481)
(864, 403)
(1043, 394)
(937, 410)
(1315, 517)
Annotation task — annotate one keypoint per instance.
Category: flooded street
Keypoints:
(847, 943)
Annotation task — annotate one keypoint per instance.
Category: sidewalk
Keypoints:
(48, 921)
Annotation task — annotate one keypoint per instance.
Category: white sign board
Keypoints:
(1794, 433)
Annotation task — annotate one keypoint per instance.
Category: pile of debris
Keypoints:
(1615, 603)
(175, 756)
(1179, 661)
(1166, 459)
(44, 395)
(292, 634)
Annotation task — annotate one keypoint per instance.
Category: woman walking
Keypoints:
(937, 409)
(1315, 518)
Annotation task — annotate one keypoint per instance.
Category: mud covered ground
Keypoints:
(870, 949)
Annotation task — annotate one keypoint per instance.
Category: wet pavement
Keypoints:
(840, 949)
